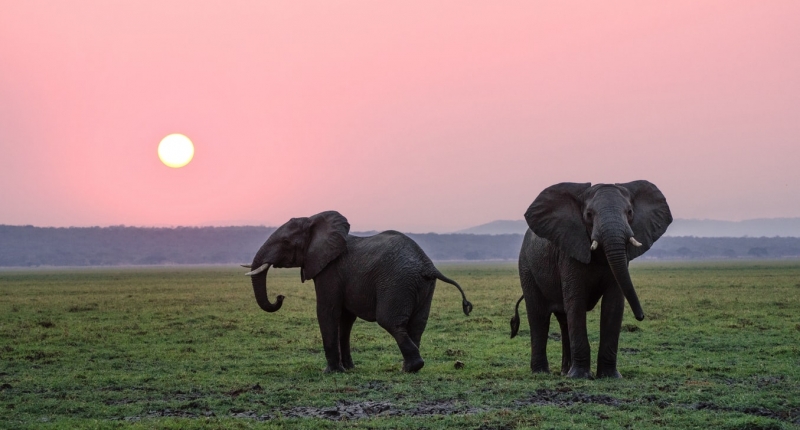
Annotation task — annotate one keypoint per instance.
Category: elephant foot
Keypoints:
(539, 364)
(577, 373)
(540, 369)
(348, 365)
(331, 369)
(608, 373)
(414, 365)
(566, 364)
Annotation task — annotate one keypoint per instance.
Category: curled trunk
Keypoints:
(260, 290)
(618, 261)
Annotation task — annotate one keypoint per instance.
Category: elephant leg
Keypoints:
(329, 317)
(412, 361)
(611, 312)
(345, 325)
(566, 355)
(419, 319)
(575, 305)
(394, 316)
(539, 323)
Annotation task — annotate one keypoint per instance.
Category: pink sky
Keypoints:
(416, 116)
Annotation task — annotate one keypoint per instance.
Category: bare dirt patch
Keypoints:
(347, 410)
(565, 397)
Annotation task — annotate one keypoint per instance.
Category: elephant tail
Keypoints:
(515, 319)
(465, 304)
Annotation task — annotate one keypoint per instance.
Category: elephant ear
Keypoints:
(651, 215)
(557, 215)
(327, 240)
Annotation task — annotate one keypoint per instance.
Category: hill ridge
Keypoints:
(756, 227)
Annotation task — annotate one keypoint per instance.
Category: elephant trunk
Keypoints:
(617, 257)
(260, 289)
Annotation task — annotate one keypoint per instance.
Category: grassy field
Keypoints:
(189, 348)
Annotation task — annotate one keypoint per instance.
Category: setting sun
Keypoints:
(175, 150)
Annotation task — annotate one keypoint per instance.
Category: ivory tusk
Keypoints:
(594, 245)
(246, 266)
(635, 242)
(259, 270)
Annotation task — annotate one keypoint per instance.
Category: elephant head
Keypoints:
(308, 243)
(616, 221)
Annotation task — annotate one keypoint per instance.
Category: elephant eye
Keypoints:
(589, 215)
(630, 214)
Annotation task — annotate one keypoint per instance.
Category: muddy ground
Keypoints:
(563, 397)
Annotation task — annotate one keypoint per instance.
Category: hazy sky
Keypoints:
(417, 116)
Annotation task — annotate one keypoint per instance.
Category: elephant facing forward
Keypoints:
(385, 278)
(577, 249)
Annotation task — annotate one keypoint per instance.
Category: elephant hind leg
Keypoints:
(397, 326)
(404, 316)
(412, 361)
(539, 323)
(419, 318)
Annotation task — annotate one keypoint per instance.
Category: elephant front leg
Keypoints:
(328, 317)
(575, 305)
(611, 312)
(566, 354)
(345, 325)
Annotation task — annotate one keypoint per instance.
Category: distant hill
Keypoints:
(497, 227)
(760, 227)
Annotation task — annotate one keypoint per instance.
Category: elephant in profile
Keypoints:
(576, 251)
(385, 278)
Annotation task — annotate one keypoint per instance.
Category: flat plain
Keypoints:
(187, 347)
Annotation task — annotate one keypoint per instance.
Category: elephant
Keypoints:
(580, 240)
(385, 278)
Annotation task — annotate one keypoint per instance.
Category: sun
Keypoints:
(175, 150)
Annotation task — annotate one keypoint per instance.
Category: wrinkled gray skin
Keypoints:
(385, 278)
(560, 273)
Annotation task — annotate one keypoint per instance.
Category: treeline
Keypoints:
(698, 248)
(469, 246)
(110, 246)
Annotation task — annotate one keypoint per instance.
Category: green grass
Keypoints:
(189, 348)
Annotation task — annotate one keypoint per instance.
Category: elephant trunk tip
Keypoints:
(275, 306)
(638, 313)
(259, 280)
